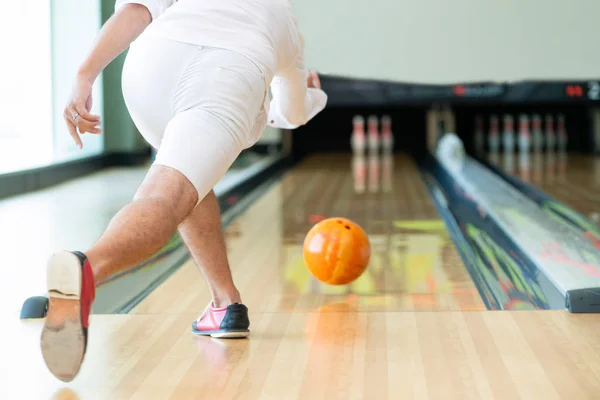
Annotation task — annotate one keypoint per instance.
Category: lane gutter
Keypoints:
(504, 275)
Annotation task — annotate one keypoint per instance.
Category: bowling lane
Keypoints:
(414, 264)
(572, 179)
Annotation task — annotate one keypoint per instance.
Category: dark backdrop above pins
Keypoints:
(580, 138)
(331, 130)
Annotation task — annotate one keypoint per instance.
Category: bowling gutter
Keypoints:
(502, 273)
(559, 253)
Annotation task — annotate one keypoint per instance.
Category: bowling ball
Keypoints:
(336, 251)
(450, 151)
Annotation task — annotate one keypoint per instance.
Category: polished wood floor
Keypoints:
(323, 355)
(413, 327)
(573, 179)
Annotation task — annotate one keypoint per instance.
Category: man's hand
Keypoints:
(313, 81)
(115, 36)
(77, 111)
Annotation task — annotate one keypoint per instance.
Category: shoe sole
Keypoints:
(63, 339)
(223, 334)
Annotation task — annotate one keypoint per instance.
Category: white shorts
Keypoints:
(198, 106)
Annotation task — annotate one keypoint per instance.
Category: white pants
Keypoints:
(198, 106)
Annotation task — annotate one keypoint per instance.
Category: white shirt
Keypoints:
(263, 30)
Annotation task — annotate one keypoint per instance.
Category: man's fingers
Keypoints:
(82, 110)
(79, 108)
(85, 126)
(73, 132)
(81, 123)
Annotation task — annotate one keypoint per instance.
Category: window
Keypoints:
(43, 43)
(75, 25)
(25, 86)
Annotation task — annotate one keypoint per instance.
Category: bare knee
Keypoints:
(168, 189)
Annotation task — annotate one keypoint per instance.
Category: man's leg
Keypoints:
(141, 228)
(202, 234)
(144, 226)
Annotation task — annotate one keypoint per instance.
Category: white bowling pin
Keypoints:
(509, 162)
(524, 135)
(373, 139)
(358, 140)
(562, 166)
(550, 164)
(494, 158)
(537, 136)
(562, 134)
(508, 136)
(373, 172)
(550, 135)
(525, 166)
(387, 137)
(494, 135)
(359, 172)
(479, 135)
(538, 168)
(387, 172)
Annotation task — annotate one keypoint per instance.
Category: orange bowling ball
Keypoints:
(336, 251)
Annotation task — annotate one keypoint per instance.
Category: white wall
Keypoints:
(442, 41)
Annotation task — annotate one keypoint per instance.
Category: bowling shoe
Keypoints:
(71, 292)
(224, 322)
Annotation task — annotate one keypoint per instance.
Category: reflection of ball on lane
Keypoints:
(336, 251)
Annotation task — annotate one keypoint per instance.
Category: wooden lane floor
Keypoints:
(321, 355)
(414, 264)
(572, 179)
(309, 342)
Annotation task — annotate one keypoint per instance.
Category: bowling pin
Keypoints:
(562, 134)
(550, 135)
(359, 172)
(387, 172)
(373, 139)
(538, 166)
(538, 137)
(562, 166)
(508, 136)
(509, 162)
(479, 135)
(550, 166)
(358, 140)
(373, 172)
(494, 137)
(524, 166)
(524, 136)
(387, 137)
(494, 158)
